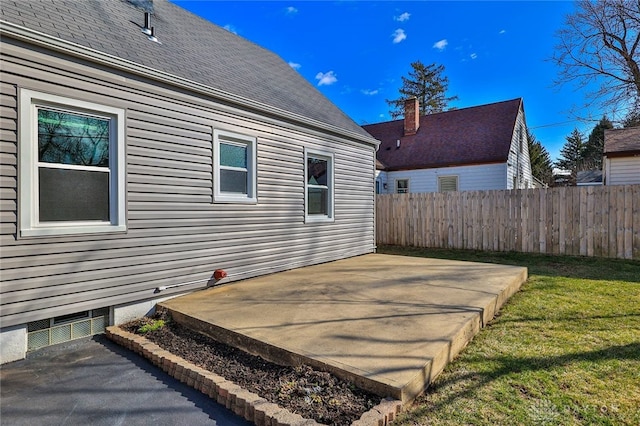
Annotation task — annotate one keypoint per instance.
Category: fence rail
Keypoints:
(599, 221)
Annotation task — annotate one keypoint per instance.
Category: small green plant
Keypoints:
(153, 325)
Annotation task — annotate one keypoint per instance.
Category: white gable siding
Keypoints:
(470, 178)
(518, 163)
(622, 170)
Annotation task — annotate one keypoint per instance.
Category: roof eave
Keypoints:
(54, 43)
(622, 153)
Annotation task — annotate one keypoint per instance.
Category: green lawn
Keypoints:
(565, 350)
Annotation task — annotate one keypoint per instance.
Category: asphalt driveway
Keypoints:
(96, 382)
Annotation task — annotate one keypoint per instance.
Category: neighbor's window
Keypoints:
(234, 167)
(402, 186)
(447, 183)
(319, 186)
(72, 178)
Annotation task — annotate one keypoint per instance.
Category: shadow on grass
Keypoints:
(512, 365)
(591, 268)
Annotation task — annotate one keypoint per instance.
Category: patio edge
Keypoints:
(243, 403)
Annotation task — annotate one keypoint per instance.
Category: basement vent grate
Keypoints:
(62, 329)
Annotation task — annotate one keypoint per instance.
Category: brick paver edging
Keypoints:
(242, 402)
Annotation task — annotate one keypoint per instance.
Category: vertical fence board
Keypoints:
(575, 221)
(613, 214)
(590, 221)
(636, 221)
(561, 223)
(619, 225)
(628, 223)
(542, 221)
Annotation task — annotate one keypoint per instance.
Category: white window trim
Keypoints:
(325, 155)
(252, 177)
(28, 163)
(408, 186)
(445, 177)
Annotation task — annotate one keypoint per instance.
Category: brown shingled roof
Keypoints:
(474, 135)
(618, 141)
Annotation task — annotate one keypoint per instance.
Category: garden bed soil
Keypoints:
(313, 394)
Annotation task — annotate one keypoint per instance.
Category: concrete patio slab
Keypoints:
(388, 323)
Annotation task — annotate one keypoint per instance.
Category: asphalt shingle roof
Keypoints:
(190, 47)
(475, 135)
(622, 140)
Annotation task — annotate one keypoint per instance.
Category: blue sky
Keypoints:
(355, 52)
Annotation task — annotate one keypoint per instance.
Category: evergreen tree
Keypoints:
(572, 155)
(541, 164)
(594, 147)
(426, 83)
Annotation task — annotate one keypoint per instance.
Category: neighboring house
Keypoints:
(476, 148)
(140, 153)
(589, 178)
(621, 165)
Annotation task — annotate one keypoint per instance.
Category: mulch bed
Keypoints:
(311, 393)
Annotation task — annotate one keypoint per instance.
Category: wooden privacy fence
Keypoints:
(589, 221)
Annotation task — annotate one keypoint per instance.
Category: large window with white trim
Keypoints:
(319, 188)
(72, 166)
(234, 167)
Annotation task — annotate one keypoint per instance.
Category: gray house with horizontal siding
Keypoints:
(142, 148)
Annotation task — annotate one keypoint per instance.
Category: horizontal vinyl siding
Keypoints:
(8, 159)
(175, 233)
(624, 171)
(470, 178)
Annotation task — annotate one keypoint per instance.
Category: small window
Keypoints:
(72, 178)
(447, 183)
(318, 186)
(402, 186)
(234, 167)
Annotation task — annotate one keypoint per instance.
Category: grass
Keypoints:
(565, 350)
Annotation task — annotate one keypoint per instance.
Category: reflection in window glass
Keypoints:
(233, 155)
(75, 139)
(316, 171)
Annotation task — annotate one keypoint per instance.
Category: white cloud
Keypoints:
(326, 78)
(231, 28)
(440, 45)
(473, 56)
(370, 92)
(294, 65)
(502, 31)
(404, 17)
(291, 10)
(398, 35)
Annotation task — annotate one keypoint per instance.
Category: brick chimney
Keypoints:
(411, 116)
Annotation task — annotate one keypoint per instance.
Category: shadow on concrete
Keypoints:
(94, 381)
